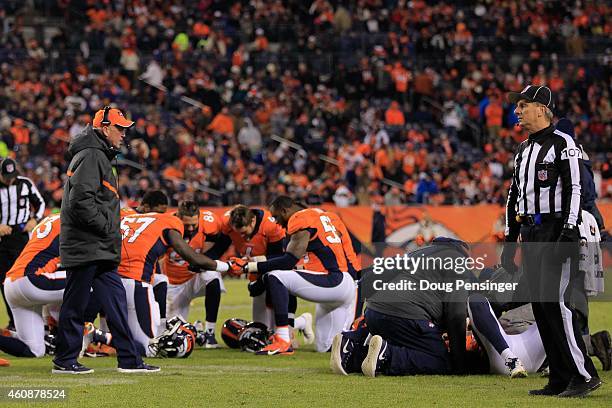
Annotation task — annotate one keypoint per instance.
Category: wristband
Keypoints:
(222, 266)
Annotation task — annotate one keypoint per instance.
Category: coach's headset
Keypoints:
(105, 120)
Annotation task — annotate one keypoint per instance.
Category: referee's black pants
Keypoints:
(106, 284)
(10, 249)
(551, 280)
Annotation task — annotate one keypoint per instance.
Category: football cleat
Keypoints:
(307, 332)
(341, 351)
(208, 340)
(8, 331)
(377, 358)
(516, 368)
(279, 346)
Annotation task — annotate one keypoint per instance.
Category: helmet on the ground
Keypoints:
(177, 341)
(254, 337)
(231, 331)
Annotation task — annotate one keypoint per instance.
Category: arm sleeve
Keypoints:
(275, 249)
(37, 201)
(569, 169)
(285, 262)
(512, 225)
(84, 184)
(222, 243)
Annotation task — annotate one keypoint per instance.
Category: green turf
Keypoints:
(216, 378)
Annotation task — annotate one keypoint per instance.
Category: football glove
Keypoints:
(237, 266)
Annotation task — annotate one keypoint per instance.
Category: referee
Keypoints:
(544, 208)
(18, 197)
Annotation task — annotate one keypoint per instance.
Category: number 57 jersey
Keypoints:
(325, 252)
(144, 242)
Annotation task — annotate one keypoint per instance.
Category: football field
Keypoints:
(225, 377)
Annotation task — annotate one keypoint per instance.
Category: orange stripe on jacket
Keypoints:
(110, 187)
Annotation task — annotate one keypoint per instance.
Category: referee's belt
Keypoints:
(538, 219)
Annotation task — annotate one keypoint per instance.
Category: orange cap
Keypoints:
(115, 117)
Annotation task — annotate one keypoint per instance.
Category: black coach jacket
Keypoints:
(90, 229)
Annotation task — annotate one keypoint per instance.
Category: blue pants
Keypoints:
(415, 346)
(105, 281)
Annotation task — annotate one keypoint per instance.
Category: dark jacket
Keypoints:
(446, 309)
(90, 205)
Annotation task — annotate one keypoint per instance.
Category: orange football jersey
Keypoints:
(266, 231)
(325, 252)
(127, 211)
(41, 253)
(175, 267)
(143, 243)
(347, 244)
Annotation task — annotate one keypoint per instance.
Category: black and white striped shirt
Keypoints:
(546, 178)
(17, 200)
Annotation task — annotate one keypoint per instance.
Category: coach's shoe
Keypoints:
(307, 332)
(516, 368)
(546, 391)
(341, 354)
(277, 347)
(377, 358)
(579, 388)
(76, 368)
(4, 362)
(143, 368)
(602, 348)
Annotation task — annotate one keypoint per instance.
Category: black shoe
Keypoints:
(142, 368)
(546, 391)
(76, 368)
(579, 388)
(602, 348)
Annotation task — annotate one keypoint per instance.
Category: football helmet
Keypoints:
(254, 337)
(177, 341)
(231, 331)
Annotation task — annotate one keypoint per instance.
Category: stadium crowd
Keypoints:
(393, 101)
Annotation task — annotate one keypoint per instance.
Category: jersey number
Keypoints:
(208, 216)
(145, 221)
(44, 228)
(333, 237)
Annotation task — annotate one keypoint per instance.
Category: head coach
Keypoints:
(90, 244)
(543, 207)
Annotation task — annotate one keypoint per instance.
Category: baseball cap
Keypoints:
(532, 93)
(115, 116)
(8, 168)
